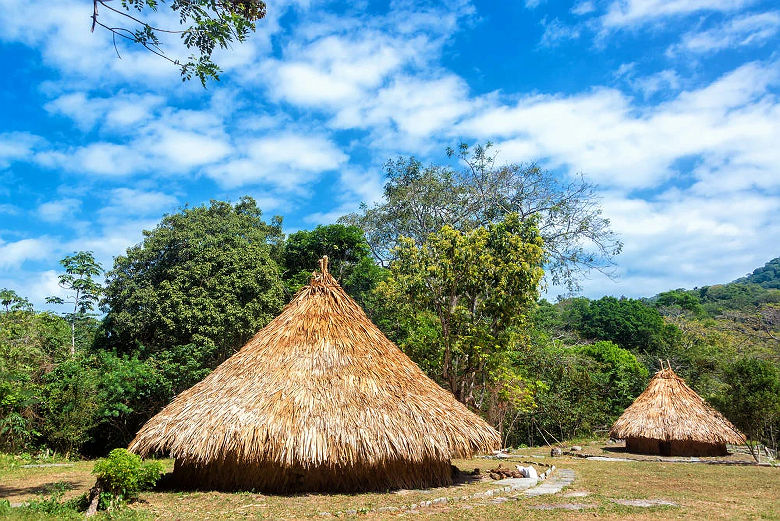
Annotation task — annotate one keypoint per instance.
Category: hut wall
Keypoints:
(675, 447)
(695, 448)
(643, 446)
(271, 478)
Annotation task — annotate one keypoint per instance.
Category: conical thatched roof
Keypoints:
(318, 386)
(669, 410)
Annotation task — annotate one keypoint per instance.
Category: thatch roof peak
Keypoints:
(669, 410)
(319, 385)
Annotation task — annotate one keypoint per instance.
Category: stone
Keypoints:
(576, 448)
(644, 503)
(387, 509)
(351, 512)
(562, 506)
(439, 501)
(580, 493)
(555, 452)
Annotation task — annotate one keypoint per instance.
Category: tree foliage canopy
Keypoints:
(205, 26)
(349, 256)
(204, 276)
(480, 286)
(419, 200)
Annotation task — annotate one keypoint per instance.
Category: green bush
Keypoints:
(122, 475)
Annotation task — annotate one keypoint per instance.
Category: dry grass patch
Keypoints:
(703, 492)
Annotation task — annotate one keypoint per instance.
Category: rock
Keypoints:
(644, 503)
(439, 501)
(351, 512)
(576, 494)
(576, 448)
(562, 506)
(555, 452)
(387, 509)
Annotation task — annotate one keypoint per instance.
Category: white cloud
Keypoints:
(125, 202)
(14, 254)
(620, 144)
(182, 150)
(286, 161)
(556, 32)
(119, 112)
(751, 29)
(623, 13)
(59, 210)
(15, 146)
(414, 107)
(583, 7)
(683, 239)
(668, 81)
(108, 159)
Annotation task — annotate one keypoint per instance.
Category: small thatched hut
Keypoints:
(318, 400)
(670, 419)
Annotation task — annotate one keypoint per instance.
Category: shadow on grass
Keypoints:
(44, 488)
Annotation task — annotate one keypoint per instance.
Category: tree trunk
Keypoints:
(94, 499)
(72, 338)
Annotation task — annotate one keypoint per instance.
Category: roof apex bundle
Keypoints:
(669, 410)
(319, 399)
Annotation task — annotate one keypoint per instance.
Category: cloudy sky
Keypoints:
(670, 106)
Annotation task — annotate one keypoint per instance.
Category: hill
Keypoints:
(767, 276)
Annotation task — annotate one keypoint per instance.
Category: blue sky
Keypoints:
(670, 106)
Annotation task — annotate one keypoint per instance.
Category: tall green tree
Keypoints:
(205, 25)
(83, 291)
(348, 252)
(199, 285)
(751, 399)
(480, 286)
(418, 200)
(630, 323)
(11, 301)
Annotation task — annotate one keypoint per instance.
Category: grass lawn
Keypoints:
(701, 492)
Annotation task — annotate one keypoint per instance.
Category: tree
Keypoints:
(679, 299)
(630, 323)
(349, 257)
(419, 200)
(207, 24)
(620, 375)
(752, 398)
(199, 285)
(80, 268)
(480, 286)
(13, 302)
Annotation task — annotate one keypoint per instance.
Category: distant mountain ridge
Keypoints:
(748, 293)
(767, 276)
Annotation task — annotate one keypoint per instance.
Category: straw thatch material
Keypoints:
(669, 418)
(318, 400)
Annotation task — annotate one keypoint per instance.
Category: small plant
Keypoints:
(122, 475)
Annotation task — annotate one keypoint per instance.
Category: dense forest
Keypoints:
(450, 265)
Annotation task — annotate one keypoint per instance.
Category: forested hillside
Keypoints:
(457, 289)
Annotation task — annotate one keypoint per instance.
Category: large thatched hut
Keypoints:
(670, 419)
(318, 400)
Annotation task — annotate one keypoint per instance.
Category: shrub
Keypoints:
(122, 475)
